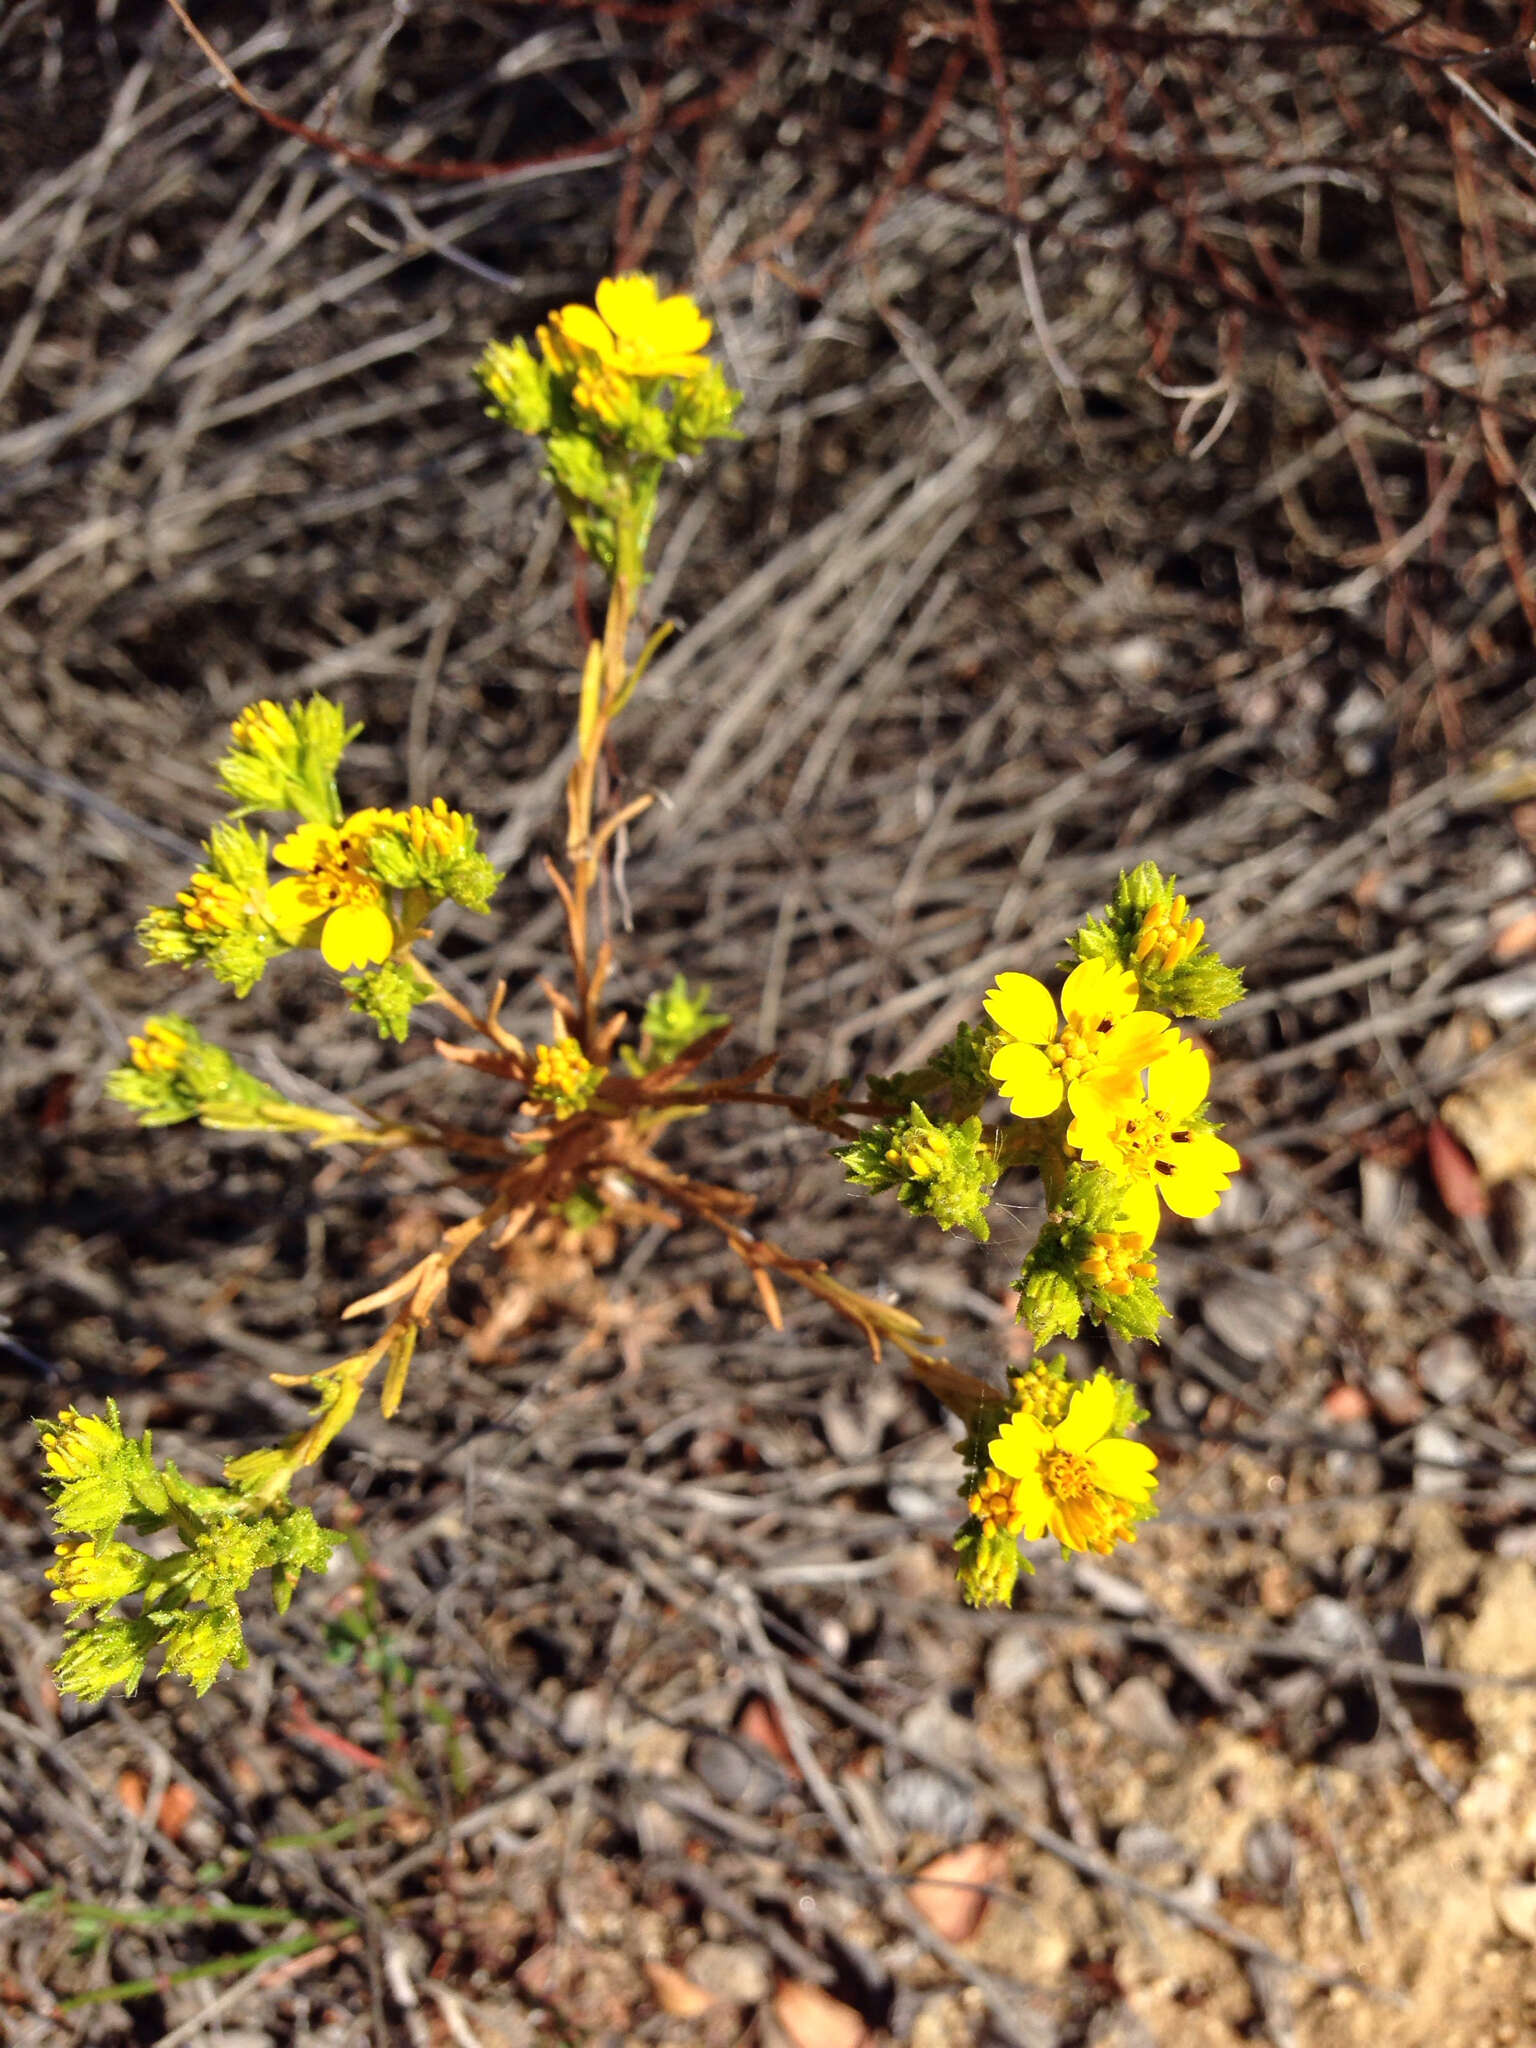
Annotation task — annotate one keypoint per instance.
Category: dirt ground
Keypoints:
(1137, 463)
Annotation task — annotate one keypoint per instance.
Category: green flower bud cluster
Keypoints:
(100, 1478)
(219, 919)
(940, 1169)
(675, 1018)
(175, 1074)
(387, 995)
(1148, 929)
(1090, 1256)
(284, 757)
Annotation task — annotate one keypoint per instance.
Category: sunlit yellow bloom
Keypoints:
(210, 904)
(93, 1574)
(159, 1050)
(1102, 1037)
(564, 1077)
(634, 332)
(334, 885)
(77, 1444)
(1168, 935)
(1152, 1137)
(1075, 1481)
(265, 728)
(436, 830)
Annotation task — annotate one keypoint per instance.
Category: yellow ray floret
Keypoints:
(1101, 1037)
(334, 885)
(1075, 1481)
(1152, 1137)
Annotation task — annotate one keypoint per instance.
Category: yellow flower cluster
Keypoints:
(1134, 1086)
(1168, 936)
(564, 1077)
(159, 1050)
(1073, 1477)
(75, 1445)
(633, 336)
(433, 829)
(265, 728)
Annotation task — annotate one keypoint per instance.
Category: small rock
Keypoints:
(1138, 1711)
(1255, 1317)
(584, 1718)
(1117, 2026)
(1397, 1399)
(736, 1971)
(1449, 1368)
(1329, 1623)
(1515, 1905)
(1385, 1201)
(1141, 1846)
(736, 1773)
(1108, 1590)
(1437, 1454)
(1269, 1855)
(920, 1801)
(1014, 1662)
(933, 1725)
(916, 1504)
(1091, 1684)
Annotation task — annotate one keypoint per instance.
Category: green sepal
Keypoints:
(387, 994)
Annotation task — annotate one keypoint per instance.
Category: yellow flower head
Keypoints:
(1075, 1480)
(436, 830)
(1151, 1137)
(1102, 1038)
(1120, 1254)
(334, 884)
(634, 334)
(210, 904)
(159, 1050)
(266, 728)
(1168, 935)
(565, 1077)
(75, 1445)
(94, 1574)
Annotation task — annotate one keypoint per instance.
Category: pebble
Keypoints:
(1109, 1591)
(1255, 1317)
(1385, 1201)
(1437, 1452)
(916, 1504)
(1516, 1907)
(1014, 1663)
(1269, 1855)
(736, 1971)
(584, 1718)
(1449, 1368)
(1138, 1711)
(920, 1801)
(1329, 1623)
(1142, 1846)
(736, 1773)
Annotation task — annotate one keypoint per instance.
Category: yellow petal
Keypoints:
(1018, 1447)
(291, 904)
(1107, 1093)
(1179, 1083)
(1033, 1503)
(629, 306)
(1022, 1006)
(1026, 1080)
(678, 328)
(1139, 1210)
(357, 935)
(1088, 1417)
(1124, 1468)
(1193, 1182)
(579, 327)
(1095, 990)
(303, 846)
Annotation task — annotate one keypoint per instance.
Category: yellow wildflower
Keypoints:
(1075, 1481)
(335, 885)
(94, 1574)
(564, 1077)
(210, 904)
(266, 728)
(1152, 1137)
(75, 1445)
(1101, 1038)
(633, 334)
(436, 830)
(159, 1050)
(1168, 935)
